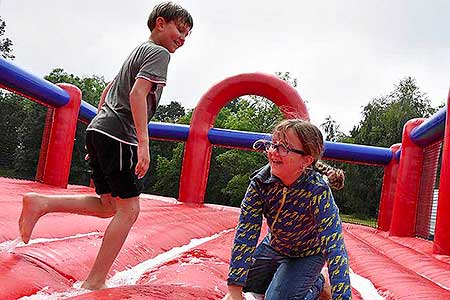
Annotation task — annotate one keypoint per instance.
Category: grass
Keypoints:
(6, 173)
(371, 222)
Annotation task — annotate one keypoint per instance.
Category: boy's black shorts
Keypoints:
(112, 164)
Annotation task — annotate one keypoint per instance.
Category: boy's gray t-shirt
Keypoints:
(148, 61)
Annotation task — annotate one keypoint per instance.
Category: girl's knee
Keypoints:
(281, 291)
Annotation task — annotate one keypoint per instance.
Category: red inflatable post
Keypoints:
(388, 191)
(408, 183)
(197, 152)
(55, 167)
(44, 144)
(442, 230)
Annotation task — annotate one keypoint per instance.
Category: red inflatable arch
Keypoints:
(197, 153)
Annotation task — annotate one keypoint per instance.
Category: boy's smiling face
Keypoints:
(171, 35)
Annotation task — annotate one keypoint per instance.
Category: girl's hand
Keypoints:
(234, 293)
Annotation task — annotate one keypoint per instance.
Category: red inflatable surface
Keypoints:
(177, 251)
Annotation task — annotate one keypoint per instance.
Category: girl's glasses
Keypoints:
(282, 149)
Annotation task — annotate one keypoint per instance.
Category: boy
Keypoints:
(117, 141)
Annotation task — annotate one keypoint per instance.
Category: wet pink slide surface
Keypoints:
(177, 251)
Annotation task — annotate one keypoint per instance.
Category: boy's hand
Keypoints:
(143, 159)
(86, 157)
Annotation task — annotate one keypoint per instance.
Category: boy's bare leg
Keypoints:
(35, 206)
(113, 240)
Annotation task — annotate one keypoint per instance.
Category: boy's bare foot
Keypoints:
(32, 210)
(90, 286)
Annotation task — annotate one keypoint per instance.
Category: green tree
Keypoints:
(91, 87)
(286, 76)
(331, 129)
(170, 113)
(29, 132)
(91, 90)
(5, 43)
(228, 180)
(13, 111)
(226, 183)
(249, 113)
(384, 117)
(168, 171)
(381, 125)
(165, 154)
(234, 188)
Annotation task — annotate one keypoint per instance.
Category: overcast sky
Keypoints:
(343, 53)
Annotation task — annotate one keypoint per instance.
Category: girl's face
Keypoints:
(288, 166)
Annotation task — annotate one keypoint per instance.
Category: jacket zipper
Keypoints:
(283, 199)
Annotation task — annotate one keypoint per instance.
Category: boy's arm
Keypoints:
(138, 103)
(100, 104)
(103, 96)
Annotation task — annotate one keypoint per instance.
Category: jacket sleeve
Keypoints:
(326, 215)
(247, 234)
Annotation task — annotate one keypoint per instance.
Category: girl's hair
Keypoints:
(308, 134)
(170, 12)
(312, 141)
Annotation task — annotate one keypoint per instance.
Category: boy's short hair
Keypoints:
(170, 12)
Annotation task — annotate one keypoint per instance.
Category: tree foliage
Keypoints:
(91, 89)
(227, 182)
(168, 169)
(331, 129)
(13, 113)
(25, 125)
(170, 113)
(250, 113)
(5, 43)
(381, 125)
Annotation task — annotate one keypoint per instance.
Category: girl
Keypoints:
(304, 226)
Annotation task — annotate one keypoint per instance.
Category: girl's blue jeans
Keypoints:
(281, 277)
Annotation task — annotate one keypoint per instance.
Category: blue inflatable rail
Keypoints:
(430, 131)
(22, 82)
